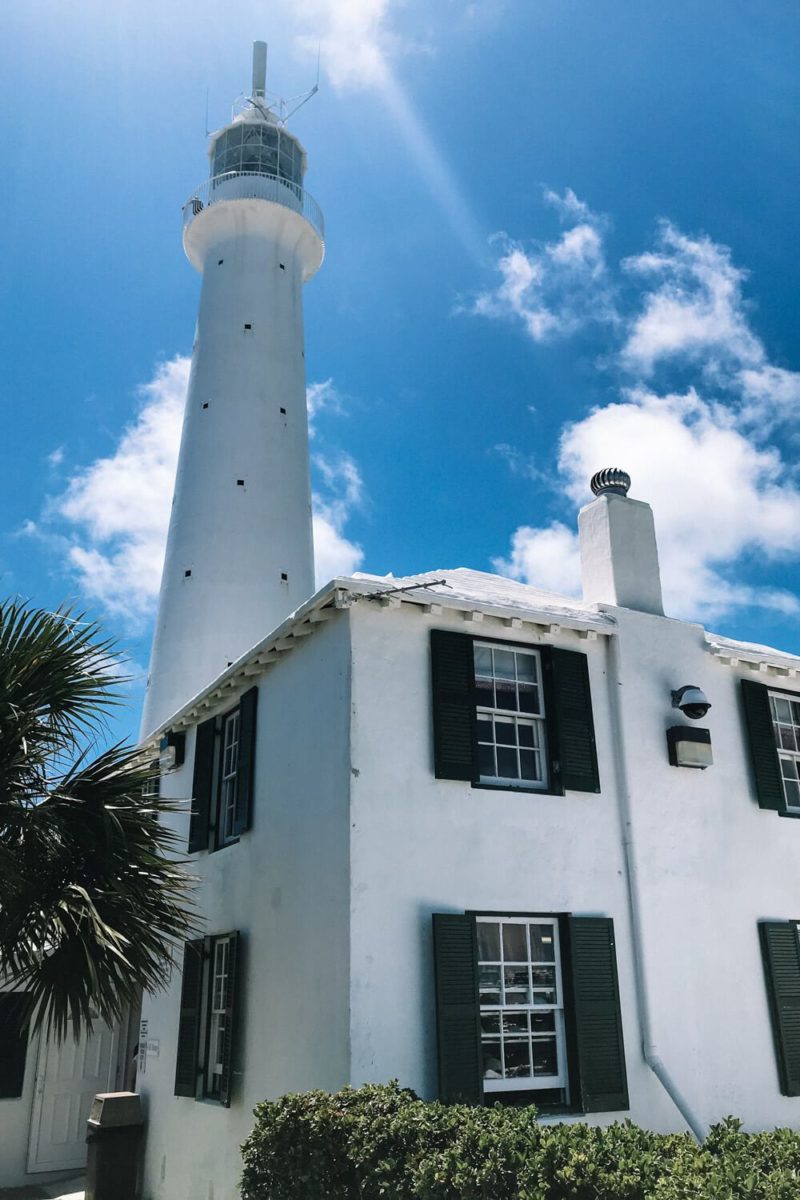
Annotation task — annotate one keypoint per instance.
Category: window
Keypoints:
(229, 777)
(521, 1004)
(512, 716)
(772, 719)
(786, 725)
(780, 952)
(527, 1009)
(204, 1066)
(13, 1044)
(222, 787)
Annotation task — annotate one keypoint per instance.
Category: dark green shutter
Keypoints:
(569, 721)
(13, 1043)
(245, 768)
(202, 785)
(763, 751)
(190, 1016)
(458, 1029)
(452, 677)
(226, 1078)
(602, 1083)
(780, 951)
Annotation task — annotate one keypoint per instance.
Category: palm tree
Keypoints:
(94, 898)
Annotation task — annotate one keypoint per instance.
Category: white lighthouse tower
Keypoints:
(239, 553)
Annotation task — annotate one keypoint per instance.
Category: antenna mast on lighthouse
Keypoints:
(239, 555)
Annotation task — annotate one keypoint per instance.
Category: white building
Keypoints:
(354, 921)
(439, 823)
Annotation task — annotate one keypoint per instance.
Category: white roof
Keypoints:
(459, 589)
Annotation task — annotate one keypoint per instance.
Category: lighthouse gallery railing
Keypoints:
(253, 185)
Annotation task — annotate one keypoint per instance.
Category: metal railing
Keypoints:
(253, 185)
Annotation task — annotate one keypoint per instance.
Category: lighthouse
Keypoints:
(239, 556)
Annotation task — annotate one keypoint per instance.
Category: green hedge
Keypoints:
(382, 1143)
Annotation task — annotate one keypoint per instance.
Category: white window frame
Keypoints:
(228, 777)
(537, 721)
(531, 1082)
(787, 757)
(216, 1014)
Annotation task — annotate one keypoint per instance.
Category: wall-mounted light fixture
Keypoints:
(689, 747)
(692, 701)
(171, 751)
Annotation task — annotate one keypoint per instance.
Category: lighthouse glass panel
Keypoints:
(521, 1006)
(510, 716)
(259, 149)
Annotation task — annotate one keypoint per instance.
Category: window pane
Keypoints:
(515, 1023)
(483, 661)
(486, 761)
(792, 791)
(492, 1062)
(529, 700)
(506, 695)
(489, 976)
(542, 945)
(788, 768)
(528, 765)
(543, 977)
(516, 997)
(484, 696)
(544, 998)
(782, 709)
(488, 941)
(786, 737)
(515, 945)
(504, 664)
(516, 977)
(507, 767)
(795, 712)
(525, 734)
(485, 729)
(518, 1058)
(505, 732)
(545, 1058)
(490, 1023)
(526, 668)
(543, 1022)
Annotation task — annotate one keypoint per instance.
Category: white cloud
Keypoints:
(115, 513)
(695, 310)
(354, 38)
(119, 506)
(553, 289)
(342, 493)
(721, 493)
(548, 558)
(320, 396)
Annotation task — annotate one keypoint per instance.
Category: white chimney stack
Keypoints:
(619, 556)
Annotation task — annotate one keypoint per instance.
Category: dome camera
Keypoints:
(692, 702)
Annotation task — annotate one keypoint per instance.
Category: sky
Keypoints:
(560, 235)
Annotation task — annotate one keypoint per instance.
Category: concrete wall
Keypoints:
(284, 886)
(710, 864)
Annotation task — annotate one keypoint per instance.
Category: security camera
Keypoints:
(692, 702)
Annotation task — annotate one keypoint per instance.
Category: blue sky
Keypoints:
(561, 235)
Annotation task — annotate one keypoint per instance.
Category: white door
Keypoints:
(67, 1078)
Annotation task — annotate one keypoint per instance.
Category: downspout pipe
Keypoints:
(649, 1045)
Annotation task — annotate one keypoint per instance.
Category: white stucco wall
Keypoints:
(710, 864)
(284, 886)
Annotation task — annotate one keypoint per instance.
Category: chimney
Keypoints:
(619, 556)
